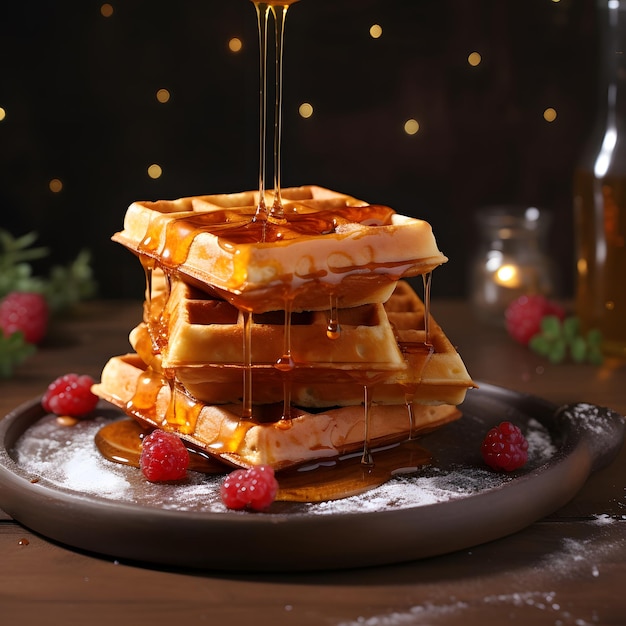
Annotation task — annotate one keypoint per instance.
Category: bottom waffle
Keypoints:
(220, 431)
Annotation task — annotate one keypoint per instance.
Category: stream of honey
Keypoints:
(121, 441)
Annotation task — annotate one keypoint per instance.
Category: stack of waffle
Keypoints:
(283, 340)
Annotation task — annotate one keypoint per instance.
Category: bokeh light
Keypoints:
(376, 31)
(155, 171)
(549, 114)
(474, 59)
(235, 44)
(55, 185)
(162, 95)
(411, 126)
(305, 110)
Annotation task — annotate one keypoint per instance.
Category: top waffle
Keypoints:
(330, 246)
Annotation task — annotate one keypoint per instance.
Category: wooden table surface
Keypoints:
(569, 568)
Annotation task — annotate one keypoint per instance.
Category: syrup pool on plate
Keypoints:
(329, 479)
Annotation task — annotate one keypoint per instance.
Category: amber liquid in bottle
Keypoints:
(600, 197)
(601, 264)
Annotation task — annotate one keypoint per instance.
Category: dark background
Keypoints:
(79, 91)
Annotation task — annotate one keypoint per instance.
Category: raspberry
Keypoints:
(254, 488)
(26, 312)
(523, 316)
(164, 457)
(70, 395)
(505, 447)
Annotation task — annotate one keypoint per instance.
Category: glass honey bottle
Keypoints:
(600, 195)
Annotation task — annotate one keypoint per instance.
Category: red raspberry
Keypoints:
(523, 316)
(254, 488)
(70, 395)
(164, 457)
(25, 312)
(505, 447)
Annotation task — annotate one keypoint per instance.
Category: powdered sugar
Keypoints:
(531, 604)
(535, 599)
(594, 418)
(540, 447)
(68, 459)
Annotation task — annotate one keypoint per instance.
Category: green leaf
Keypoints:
(551, 326)
(595, 356)
(14, 250)
(594, 337)
(558, 351)
(540, 344)
(571, 328)
(70, 284)
(559, 340)
(14, 350)
(578, 349)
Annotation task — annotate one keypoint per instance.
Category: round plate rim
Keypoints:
(16, 489)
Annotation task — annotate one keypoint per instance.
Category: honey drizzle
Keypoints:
(428, 348)
(367, 457)
(333, 330)
(144, 400)
(285, 364)
(276, 214)
(410, 390)
(154, 322)
(246, 408)
(279, 12)
(182, 411)
(277, 211)
(408, 400)
(427, 281)
(262, 10)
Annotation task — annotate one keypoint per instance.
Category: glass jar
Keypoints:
(600, 194)
(511, 259)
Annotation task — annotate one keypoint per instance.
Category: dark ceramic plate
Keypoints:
(452, 505)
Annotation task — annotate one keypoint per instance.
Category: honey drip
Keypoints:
(262, 9)
(427, 281)
(144, 400)
(333, 330)
(182, 411)
(280, 15)
(285, 364)
(246, 409)
(418, 354)
(408, 400)
(366, 457)
(278, 10)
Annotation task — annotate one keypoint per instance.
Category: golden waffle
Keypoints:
(168, 398)
(332, 246)
(203, 329)
(443, 377)
(356, 365)
(378, 345)
(220, 431)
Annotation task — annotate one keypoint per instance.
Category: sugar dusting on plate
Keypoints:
(67, 458)
(538, 596)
